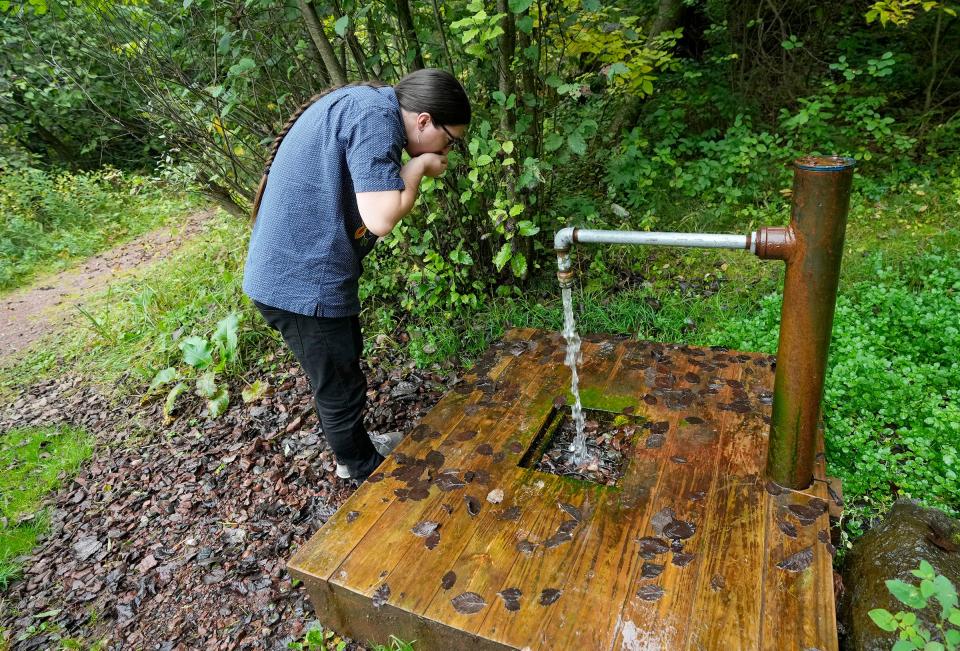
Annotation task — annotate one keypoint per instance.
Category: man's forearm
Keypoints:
(412, 174)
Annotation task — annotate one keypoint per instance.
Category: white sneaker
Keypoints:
(385, 443)
(342, 471)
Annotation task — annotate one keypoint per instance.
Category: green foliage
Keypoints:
(901, 12)
(891, 399)
(52, 95)
(934, 590)
(33, 461)
(48, 221)
(207, 359)
(319, 639)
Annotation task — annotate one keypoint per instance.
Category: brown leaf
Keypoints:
(679, 530)
(511, 513)
(465, 435)
(468, 603)
(380, 595)
(432, 540)
(511, 598)
(650, 547)
(682, 559)
(526, 547)
(424, 528)
(448, 580)
(473, 505)
(797, 562)
(557, 539)
(650, 570)
(549, 596)
(650, 592)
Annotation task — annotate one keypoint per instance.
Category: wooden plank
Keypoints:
(367, 567)
(496, 547)
(798, 604)
(726, 606)
(707, 448)
(543, 567)
(479, 538)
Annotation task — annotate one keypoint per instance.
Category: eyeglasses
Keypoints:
(452, 140)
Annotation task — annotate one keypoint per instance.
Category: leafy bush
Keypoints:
(203, 361)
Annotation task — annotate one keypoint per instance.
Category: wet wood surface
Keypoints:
(453, 544)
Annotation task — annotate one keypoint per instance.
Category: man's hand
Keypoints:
(433, 165)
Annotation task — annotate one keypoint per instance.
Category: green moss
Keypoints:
(596, 398)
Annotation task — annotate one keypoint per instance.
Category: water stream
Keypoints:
(579, 446)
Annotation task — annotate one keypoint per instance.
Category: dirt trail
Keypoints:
(31, 312)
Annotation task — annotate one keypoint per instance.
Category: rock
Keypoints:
(909, 534)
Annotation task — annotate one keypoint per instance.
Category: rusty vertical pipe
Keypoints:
(812, 247)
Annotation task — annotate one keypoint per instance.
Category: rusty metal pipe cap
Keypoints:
(824, 163)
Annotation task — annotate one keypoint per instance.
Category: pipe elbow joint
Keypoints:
(564, 239)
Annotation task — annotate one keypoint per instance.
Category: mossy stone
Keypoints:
(909, 534)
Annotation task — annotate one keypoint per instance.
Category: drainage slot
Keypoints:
(610, 439)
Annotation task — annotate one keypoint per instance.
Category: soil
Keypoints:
(28, 313)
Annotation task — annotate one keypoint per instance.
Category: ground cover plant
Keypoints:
(49, 220)
(33, 461)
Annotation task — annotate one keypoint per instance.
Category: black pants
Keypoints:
(329, 351)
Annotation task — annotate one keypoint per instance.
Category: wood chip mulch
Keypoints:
(176, 536)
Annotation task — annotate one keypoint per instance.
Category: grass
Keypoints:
(33, 462)
(50, 221)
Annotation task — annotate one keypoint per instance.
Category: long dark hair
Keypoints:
(427, 90)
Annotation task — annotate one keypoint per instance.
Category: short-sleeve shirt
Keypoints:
(308, 240)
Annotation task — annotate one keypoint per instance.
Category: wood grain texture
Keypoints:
(687, 551)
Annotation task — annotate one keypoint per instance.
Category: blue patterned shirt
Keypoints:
(308, 240)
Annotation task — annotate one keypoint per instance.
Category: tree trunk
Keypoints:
(64, 153)
(222, 196)
(442, 29)
(409, 32)
(319, 68)
(356, 51)
(506, 82)
(667, 18)
(334, 70)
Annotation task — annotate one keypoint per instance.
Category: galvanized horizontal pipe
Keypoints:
(567, 236)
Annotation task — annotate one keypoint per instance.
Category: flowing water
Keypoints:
(579, 446)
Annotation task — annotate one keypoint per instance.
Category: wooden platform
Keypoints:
(692, 549)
